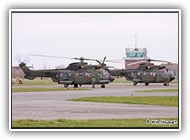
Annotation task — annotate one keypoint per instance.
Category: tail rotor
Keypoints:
(20, 59)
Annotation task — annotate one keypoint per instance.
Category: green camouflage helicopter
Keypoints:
(146, 73)
(78, 73)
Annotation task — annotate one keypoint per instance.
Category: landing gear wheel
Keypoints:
(146, 84)
(166, 84)
(66, 86)
(134, 84)
(75, 86)
(102, 86)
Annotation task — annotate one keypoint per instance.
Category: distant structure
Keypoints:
(17, 72)
(134, 55)
(138, 54)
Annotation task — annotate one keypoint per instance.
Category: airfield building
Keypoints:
(133, 55)
(17, 72)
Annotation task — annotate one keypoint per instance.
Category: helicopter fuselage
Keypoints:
(149, 76)
(70, 77)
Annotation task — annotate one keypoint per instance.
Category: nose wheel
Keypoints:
(66, 85)
(102, 86)
(166, 84)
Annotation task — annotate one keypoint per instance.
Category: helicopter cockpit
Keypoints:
(163, 72)
(103, 74)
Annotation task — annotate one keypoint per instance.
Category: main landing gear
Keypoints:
(102, 86)
(66, 85)
(134, 83)
(146, 84)
(75, 86)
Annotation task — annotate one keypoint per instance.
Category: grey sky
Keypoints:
(92, 35)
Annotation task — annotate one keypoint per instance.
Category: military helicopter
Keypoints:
(78, 73)
(146, 73)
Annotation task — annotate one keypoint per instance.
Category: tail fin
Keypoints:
(27, 71)
(24, 68)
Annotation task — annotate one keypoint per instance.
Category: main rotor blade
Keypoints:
(98, 62)
(82, 58)
(138, 62)
(50, 56)
(113, 61)
(104, 60)
(159, 60)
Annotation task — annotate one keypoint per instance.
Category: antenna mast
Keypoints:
(135, 41)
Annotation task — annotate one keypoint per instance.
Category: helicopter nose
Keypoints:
(112, 78)
(172, 78)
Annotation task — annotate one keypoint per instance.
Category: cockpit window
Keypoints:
(163, 72)
(171, 72)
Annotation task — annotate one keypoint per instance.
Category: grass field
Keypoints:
(63, 123)
(121, 80)
(37, 81)
(148, 100)
(45, 89)
(158, 90)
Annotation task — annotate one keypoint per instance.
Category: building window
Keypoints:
(135, 54)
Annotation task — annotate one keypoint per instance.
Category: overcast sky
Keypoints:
(92, 35)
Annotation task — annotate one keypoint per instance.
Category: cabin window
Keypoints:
(100, 74)
(61, 74)
(77, 74)
(88, 74)
(69, 75)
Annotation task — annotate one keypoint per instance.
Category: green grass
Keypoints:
(148, 100)
(37, 81)
(175, 81)
(121, 80)
(92, 123)
(158, 90)
(45, 89)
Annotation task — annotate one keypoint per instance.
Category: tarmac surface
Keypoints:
(54, 105)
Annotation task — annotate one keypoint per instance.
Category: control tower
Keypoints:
(134, 55)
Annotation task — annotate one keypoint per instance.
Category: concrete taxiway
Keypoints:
(54, 105)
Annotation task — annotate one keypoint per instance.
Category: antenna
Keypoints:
(135, 41)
